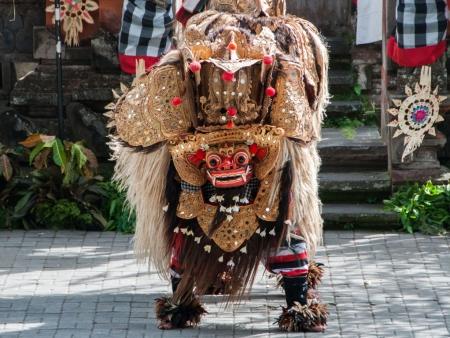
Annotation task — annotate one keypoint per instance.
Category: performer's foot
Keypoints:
(178, 316)
(304, 318)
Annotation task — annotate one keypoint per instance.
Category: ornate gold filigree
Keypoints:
(252, 7)
(231, 234)
(145, 115)
(190, 204)
(265, 136)
(291, 110)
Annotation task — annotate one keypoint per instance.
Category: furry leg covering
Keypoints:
(311, 317)
(178, 315)
(304, 312)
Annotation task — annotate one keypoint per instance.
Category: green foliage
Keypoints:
(348, 125)
(8, 158)
(424, 208)
(60, 190)
(120, 216)
(54, 214)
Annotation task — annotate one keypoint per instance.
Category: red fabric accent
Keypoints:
(415, 57)
(177, 245)
(288, 258)
(295, 273)
(128, 62)
(183, 16)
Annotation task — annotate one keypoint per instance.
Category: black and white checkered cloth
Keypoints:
(146, 28)
(421, 22)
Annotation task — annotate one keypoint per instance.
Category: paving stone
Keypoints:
(77, 284)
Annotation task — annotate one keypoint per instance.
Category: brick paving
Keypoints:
(77, 284)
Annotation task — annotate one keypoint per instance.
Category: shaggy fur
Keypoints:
(315, 274)
(183, 315)
(303, 318)
(136, 173)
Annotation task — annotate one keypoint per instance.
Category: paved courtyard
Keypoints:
(77, 284)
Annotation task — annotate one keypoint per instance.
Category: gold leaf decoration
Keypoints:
(74, 13)
(417, 114)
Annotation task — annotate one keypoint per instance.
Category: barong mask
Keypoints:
(217, 143)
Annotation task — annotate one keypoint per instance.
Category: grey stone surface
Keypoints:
(365, 150)
(77, 284)
(359, 216)
(365, 181)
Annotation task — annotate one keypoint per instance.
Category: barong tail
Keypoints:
(216, 148)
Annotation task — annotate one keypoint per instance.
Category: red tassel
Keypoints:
(271, 92)
(195, 66)
(228, 76)
(268, 60)
(232, 112)
(176, 101)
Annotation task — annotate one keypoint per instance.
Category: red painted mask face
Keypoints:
(229, 170)
(228, 166)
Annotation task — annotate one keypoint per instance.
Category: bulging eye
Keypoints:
(241, 158)
(213, 161)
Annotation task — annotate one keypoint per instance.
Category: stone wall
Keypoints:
(16, 37)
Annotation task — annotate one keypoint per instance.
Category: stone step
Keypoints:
(344, 108)
(340, 80)
(80, 83)
(359, 216)
(365, 186)
(365, 151)
(338, 46)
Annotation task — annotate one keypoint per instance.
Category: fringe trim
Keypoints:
(315, 274)
(303, 318)
(179, 315)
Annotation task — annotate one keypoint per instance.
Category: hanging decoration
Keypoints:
(417, 114)
(73, 15)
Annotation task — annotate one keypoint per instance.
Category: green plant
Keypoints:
(7, 165)
(59, 189)
(54, 213)
(424, 208)
(63, 175)
(120, 216)
(73, 159)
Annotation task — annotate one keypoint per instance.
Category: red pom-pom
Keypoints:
(176, 101)
(200, 154)
(268, 60)
(228, 76)
(232, 112)
(230, 124)
(261, 153)
(271, 92)
(198, 157)
(195, 66)
(253, 148)
(232, 46)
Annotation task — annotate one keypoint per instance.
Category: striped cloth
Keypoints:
(291, 259)
(146, 32)
(420, 32)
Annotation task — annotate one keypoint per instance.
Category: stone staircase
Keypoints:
(353, 178)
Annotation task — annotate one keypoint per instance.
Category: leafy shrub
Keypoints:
(424, 208)
(53, 214)
(120, 216)
(60, 190)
